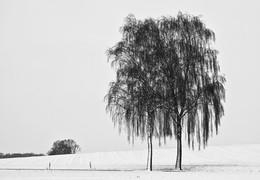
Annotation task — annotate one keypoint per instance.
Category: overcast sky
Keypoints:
(54, 72)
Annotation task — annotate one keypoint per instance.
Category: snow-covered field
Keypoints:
(215, 162)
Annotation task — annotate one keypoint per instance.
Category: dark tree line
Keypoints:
(16, 155)
(167, 81)
(66, 146)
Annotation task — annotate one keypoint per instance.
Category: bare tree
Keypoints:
(132, 98)
(167, 81)
(194, 87)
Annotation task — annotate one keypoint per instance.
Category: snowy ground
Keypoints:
(215, 162)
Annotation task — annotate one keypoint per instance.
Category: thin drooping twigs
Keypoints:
(168, 81)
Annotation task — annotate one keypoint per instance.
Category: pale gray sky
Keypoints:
(54, 72)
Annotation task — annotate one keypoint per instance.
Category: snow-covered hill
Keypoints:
(236, 155)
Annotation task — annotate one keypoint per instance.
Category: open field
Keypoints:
(215, 162)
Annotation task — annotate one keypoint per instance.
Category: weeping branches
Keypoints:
(168, 81)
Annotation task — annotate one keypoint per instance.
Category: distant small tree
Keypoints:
(67, 146)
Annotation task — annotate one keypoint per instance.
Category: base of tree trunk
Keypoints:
(150, 155)
(179, 153)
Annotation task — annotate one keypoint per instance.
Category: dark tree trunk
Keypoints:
(179, 148)
(150, 143)
(150, 154)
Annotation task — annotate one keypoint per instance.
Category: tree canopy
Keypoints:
(67, 146)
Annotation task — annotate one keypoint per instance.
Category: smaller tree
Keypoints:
(67, 146)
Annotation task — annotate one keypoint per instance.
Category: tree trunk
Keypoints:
(179, 148)
(150, 154)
